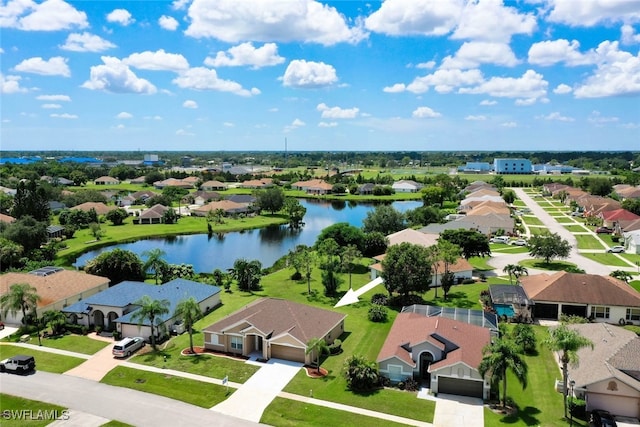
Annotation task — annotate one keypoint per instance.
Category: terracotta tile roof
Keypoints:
(54, 287)
(580, 288)
(482, 209)
(412, 236)
(276, 316)
(461, 341)
(460, 265)
(619, 214)
(101, 208)
(483, 192)
(106, 179)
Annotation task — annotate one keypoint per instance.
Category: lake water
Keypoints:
(266, 244)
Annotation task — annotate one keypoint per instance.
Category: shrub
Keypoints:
(76, 329)
(296, 276)
(336, 347)
(360, 373)
(411, 385)
(404, 300)
(468, 281)
(380, 299)
(377, 313)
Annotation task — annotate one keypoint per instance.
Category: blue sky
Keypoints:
(344, 75)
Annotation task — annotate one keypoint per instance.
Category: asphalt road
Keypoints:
(113, 403)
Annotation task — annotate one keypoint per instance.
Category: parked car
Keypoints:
(601, 418)
(518, 242)
(604, 230)
(19, 364)
(127, 346)
(499, 239)
(577, 213)
(616, 249)
(626, 421)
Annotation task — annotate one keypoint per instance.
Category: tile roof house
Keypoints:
(632, 241)
(173, 182)
(461, 269)
(608, 376)
(609, 218)
(153, 215)
(485, 224)
(6, 218)
(99, 207)
(229, 208)
(443, 352)
(406, 186)
(106, 180)
(113, 308)
(409, 235)
(274, 328)
(366, 188)
(56, 287)
(600, 298)
(213, 185)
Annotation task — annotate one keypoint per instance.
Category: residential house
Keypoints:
(608, 375)
(213, 186)
(143, 195)
(366, 188)
(415, 237)
(476, 200)
(485, 224)
(626, 191)
(173, 182)
(227, 206)
(257, 183)
(439, 351)
(477, 185)
(549, 188)
(461, 270)
(244, 199)
(486, 208)
(512, 166)
(201, 197)
(193, 180)
(624, 226)
(139, 180)
(106, 180)
(153, 215)
(313, 186)
(499, 207)
(274, 328)
(406, 186)
(56, 287)
(483, 192)
(631, 241)
(6, 218)
(610, 218)
(113, 308)
(599, 298)
(99, 207)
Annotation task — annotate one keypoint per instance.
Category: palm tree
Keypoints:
(621, 275)
(568, 342)
(151, 310)
(317, 346)
(247, 273)
(21, 296)
(349, 255)
(520, 271)
(500, 355)
(55, 319)
(188, 310)
(510, 269)
(154, 261)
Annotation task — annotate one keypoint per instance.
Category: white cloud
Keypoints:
(120, 16)
(63, 116)
(598, 119)
(189, 103)
(309, 74)
(10, 84)
(444, 80)
(86, 42)
(234, 21)
(49, 15)
(524, 102)
(618, 73)
(415, 17)
(556, 116)
(552, 52)
(425, 112)
(628, 35)
(337, 112)
(55, 66)
(327, 124)
(509, 124)
(153, 117)
(562, 89)
(201, 78)
(115, 76)
(124, 115)
(245, 54)
(492, 20)
(426, 65)
(396, 88)
(473, 54)
(184, 132)
(58, 98)
(587, 13)
(530, 85)
(488, 102)
(228, 124)
(476, 118)
(158, 60)
(168, 22)
(51, 106)
(297, 123)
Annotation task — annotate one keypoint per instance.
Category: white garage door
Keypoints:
(459, 386)
(287, 353)
(617, 405)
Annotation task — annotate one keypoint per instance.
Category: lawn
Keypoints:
(190, 391)
(575, 228)
(588, 241)
(607, 259)
(510, 249)
(553, 265)
(564, 220)
(75, 343)
(634, 258)
(284, 412)
(45, 361)
(532, 220)
(9, 403)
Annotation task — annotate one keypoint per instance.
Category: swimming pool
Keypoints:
(504, 310)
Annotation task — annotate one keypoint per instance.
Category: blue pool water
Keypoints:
(504, 309)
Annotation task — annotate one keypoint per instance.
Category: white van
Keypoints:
(499, 239)
(127, 346)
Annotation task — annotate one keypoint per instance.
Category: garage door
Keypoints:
(287, 353)
(460, 387)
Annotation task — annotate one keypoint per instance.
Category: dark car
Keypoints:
(601, 418)
(604, 230)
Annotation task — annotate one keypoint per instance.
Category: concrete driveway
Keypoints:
(253, 397)
(458, 411)
(96, 367)
(8, 330)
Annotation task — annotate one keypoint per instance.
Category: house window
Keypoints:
(633, 313)
(214, 339)
(236, 343)
(600, 312)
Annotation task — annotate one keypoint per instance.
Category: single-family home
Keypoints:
(139, 180)
(6, 218)
(274, 328)
(227, 206)
(477, 185)
(202, 197)
(143, 195)
(409, 235)
(113, 308)
(56, 287)
(608, 376)
(483, 191)
(257, 183)
(461, 270)
(173, 182)
(438, 351)
(599, 298)
(485, 224)
(106, 180)
(366, 188)
(406, 186)
(99, 207)
(626, 191)
(153, 215)
(631, 241)
(213, 185)
(610, 218)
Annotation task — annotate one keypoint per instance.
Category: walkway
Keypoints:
(97, 366)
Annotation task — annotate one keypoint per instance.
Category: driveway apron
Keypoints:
(458, 411)
(97, 366)
(253, 397)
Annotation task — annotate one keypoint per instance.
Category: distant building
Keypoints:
(512, 166)
(151, 158)
(475, 167)
(548, 168)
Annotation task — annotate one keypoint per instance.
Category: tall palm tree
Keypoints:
(317, 346)
(247, 273)
(498, 357)
(21, 297)
(510, 269)
(151, 310)
(520, 271)
(188, 310)
(349, 255)
(566, 341)
(154, 261)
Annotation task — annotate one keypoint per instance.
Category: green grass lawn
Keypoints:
(532, 220)
(284, 412)
(75, 343)
(575, 228)
(480, 263)
(634, 258)
(519, 203)
(564, 220)
(588, 241)
(510, 249)
(545, 204)
(190, 391)
(45, 361)
(114, 423)
(554, 265)
(14, 403)
(607, 259)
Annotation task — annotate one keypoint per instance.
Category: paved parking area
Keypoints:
(458, 411)
(97, 366)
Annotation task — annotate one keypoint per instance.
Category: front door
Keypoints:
(425, 361)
